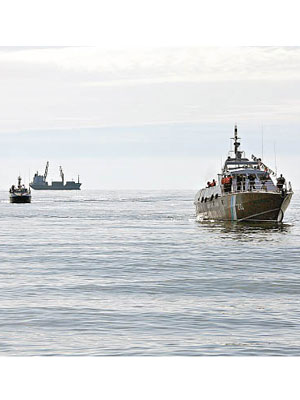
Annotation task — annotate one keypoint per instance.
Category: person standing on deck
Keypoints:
(280, 182)
(252, 182)
(238, 183)
(243, 179)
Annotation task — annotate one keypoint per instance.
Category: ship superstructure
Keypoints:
(245, 191)
(40, 182)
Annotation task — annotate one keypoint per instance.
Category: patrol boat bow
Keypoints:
(245, 191)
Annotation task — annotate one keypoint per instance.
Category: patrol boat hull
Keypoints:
(245, 206)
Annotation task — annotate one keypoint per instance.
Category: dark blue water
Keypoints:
(133, 273)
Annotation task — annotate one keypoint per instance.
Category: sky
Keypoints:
(146, 118)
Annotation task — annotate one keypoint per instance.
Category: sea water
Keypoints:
(101, 273)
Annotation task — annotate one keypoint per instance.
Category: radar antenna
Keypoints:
(46, 171)
(62, 175)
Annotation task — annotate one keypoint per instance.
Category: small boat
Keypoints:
(245, 191)
(19, 194)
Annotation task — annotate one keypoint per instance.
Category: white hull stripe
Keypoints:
(233, 208)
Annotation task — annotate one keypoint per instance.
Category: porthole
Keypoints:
(211, 197)
(216, 196)
(202, 199)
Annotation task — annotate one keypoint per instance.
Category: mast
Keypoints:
(236, 142)
(46, 171)
(62, 175)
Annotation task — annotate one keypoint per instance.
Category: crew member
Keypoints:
(238, 182)
(251, 178)
(227, 181)
(280, 182)
(243, 181)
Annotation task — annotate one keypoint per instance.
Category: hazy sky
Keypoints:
(149, 118)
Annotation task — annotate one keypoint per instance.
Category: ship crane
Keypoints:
(62, 175)
(46, 171)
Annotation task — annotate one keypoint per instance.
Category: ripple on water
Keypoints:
(134, 273)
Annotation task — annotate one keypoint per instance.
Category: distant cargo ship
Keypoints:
(39, 182)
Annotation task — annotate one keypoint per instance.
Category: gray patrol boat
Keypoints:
(39, 182)
(245, 191)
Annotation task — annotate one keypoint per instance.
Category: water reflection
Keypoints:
(245, 231)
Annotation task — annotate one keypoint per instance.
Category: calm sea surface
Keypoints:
(132, 273)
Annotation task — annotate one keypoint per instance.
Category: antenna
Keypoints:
(275, 157)
(262, 141)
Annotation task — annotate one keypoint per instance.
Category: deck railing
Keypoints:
(248, 186)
